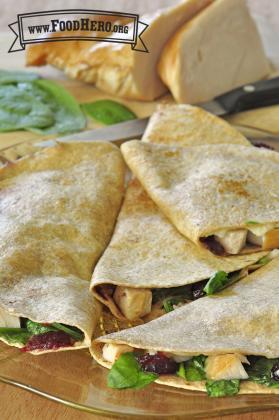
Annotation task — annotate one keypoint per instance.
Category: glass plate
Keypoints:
(73, 378)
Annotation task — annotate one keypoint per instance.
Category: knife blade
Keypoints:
(254, 95)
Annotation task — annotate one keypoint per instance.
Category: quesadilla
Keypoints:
(187, 125)
(149, 267)
(58, 210)
(223, 197)
(232, 348)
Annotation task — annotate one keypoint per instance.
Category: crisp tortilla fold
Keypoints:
(242, 319)
(58, 210)
(208, 188)
(146, 251)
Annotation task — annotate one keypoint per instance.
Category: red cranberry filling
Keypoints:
(49, 341)
(157, 363)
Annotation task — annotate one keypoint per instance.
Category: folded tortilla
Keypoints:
(224, 197)
(242, 319)
(58, 209)
(187, 125)
(146, 251)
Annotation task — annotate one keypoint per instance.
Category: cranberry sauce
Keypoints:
(157, 363)
(51, 340)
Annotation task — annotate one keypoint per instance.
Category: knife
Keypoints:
(250, 96)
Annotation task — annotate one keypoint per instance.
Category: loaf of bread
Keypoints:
(116, 68)
(218, 50)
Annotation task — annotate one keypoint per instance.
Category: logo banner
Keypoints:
(78, 24)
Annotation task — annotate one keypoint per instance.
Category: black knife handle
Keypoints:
(252, 95)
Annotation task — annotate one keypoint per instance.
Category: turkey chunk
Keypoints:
(133, 303)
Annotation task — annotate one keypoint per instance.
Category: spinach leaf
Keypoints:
(222, 388)
(41, 106)
(220, 281)
(172, 300)
(20, 109)
(9, 77)
(108, 112)
(126, 373)
(264, 260)
(15, 335)
(68, 117)
(193, 369)
(36, 328)
(259, 371)
(252, 222)
(72, 331)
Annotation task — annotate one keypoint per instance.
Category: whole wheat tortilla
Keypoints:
(146, 251)
(187, 125)
(242, 319)
(207, 188)
(58, 210)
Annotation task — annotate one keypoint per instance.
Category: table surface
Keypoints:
(19, 404)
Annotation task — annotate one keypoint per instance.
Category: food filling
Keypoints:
(32, 336)
(222, 374)
(135, 303)
(238, 241)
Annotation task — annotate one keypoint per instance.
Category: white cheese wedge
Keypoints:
(218, 50)
(232, 241)
(112, 352)
(226, 366)
(133, 303)
(9, 321)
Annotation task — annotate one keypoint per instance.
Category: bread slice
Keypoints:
(116, 68)
(218, 50)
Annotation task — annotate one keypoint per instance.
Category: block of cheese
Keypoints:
(218, 50)
(116, 68)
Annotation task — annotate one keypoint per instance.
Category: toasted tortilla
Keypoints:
(242, 319)
(186, 125)
(146, 250)
(208, 188)
(58, 210)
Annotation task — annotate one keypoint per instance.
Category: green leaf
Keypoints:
(15, 335)
(73, 332)
(126, 373)
(264, 260)
(41, 106)
(68, 117)
(108, 112)
(252, 222)
(9, 77)
(222, 388)
(193, 369)
(35, 328)
(220, 281)
(20, 109)
(172, 300)
(217, 282)
(260, 371)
